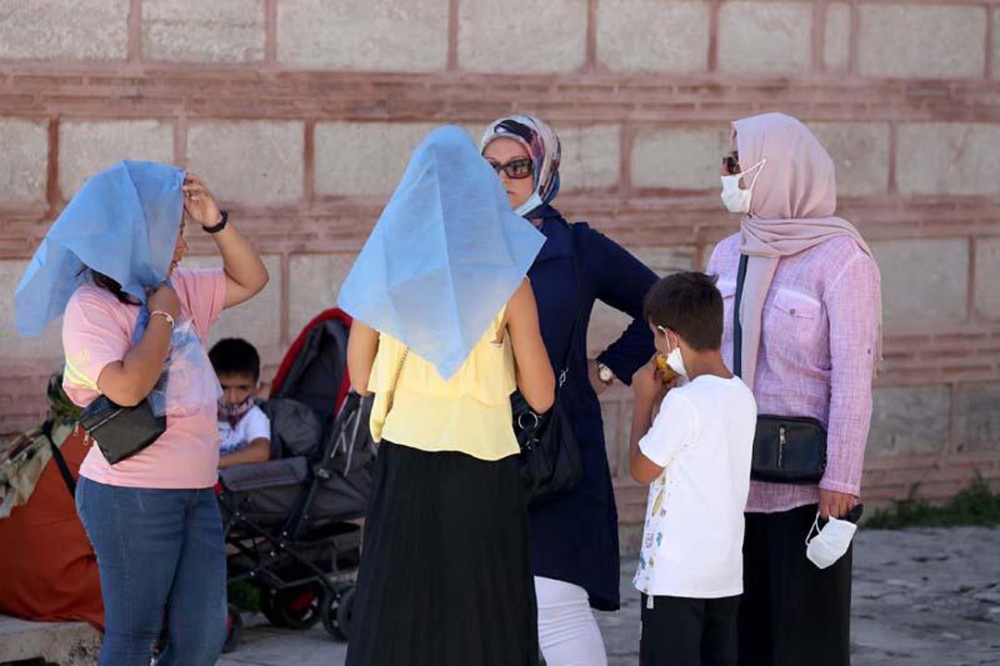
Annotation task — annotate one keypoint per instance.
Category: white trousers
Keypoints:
(567, 631)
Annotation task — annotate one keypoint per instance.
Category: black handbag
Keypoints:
(122, 432)
(550, 457)
(786, 449)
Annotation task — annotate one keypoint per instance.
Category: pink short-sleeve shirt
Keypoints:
(98, 330)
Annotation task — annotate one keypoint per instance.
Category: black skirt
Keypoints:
(445, 574)
(792, 612)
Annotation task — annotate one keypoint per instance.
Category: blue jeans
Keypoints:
(159, 551)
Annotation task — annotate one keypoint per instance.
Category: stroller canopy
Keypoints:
(314, 371)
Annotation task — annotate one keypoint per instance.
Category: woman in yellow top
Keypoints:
(445, 577)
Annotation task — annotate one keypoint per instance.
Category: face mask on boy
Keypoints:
(676, 362)
(831, 543)
(233, 413)
(734, 198)
(675, 359)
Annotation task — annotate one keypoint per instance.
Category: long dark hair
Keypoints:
(104, 282)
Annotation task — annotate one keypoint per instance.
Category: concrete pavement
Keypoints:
(927, 597)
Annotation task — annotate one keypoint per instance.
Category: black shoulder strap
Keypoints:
(60, 461)
(741, 276)
(576, 311)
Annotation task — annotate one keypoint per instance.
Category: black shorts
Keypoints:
(678, 631)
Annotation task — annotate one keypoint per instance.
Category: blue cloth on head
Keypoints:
(445, 256)
(122, 223)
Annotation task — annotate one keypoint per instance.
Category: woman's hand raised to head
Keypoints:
(199, 203)
(246, 274)
(535, 378)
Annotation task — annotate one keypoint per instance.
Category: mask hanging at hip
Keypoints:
(830, 543)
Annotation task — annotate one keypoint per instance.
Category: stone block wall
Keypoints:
(301, 114)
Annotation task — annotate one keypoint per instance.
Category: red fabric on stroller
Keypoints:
(292, 355)
(48, 570)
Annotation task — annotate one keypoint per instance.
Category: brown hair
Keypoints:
(690, 305)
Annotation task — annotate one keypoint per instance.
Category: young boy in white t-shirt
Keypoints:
(696, 456)
(244, 428)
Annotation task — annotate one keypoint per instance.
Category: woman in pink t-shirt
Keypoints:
(153, 518)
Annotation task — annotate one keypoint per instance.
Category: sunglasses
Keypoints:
(731, 163)
(521, 167)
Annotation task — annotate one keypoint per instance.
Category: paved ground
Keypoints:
(921, 598)
(62, 643)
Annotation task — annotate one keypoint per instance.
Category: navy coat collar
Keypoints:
(558, 235)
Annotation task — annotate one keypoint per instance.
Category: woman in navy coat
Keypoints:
(575, 535)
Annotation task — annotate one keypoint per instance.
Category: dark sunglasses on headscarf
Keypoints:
(517, 168)
(731, 163)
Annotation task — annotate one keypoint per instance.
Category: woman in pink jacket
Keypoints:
(810, 324)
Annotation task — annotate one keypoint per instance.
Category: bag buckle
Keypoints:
(535, 421)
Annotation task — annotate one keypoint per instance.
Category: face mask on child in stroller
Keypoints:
(233, 413)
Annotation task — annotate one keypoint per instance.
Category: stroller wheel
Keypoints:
(338, 614)
(297, 608)
(234, 629)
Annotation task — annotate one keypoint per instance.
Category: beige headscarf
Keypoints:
(792, 210)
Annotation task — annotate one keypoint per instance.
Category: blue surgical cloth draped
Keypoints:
(445, 256)
(122, 223)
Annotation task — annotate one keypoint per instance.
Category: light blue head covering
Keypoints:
(122, 223)
(446, 255)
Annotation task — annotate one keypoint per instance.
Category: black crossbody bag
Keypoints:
(786, 449)
(550, 457)
(122, 432)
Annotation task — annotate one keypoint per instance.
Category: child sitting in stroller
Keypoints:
(244, 428)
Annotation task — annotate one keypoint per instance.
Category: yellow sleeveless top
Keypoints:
(469, 413)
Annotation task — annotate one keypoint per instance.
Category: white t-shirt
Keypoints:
(253, 425)
(692, 544)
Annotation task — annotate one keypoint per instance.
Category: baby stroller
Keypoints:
(288, 522)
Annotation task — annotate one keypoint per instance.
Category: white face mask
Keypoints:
(734, 198)
(675, 359)
(533, 202)
(676, 362)
(831, 543)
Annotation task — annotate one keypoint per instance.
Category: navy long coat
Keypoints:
(575, 536)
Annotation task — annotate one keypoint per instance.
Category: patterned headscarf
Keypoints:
(544, 149)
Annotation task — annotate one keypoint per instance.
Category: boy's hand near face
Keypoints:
(647, 383)
(649, 389)
(650, 386)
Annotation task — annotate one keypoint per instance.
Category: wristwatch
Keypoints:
(604, 373)
(221, 225)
